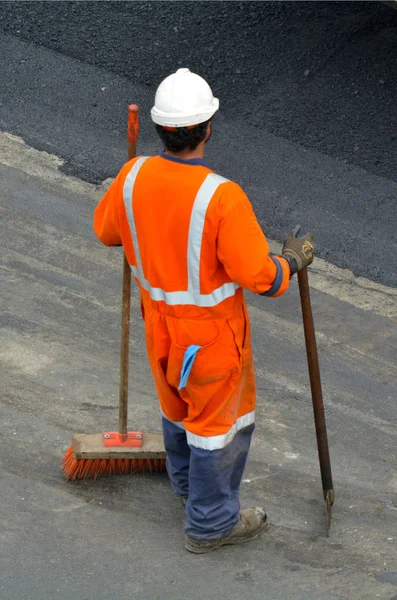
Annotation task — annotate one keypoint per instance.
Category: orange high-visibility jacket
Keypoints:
(193, 243)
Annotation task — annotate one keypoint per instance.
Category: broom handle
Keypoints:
(315, 384)
(133, 127)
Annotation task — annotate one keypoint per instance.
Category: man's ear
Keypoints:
(208, 134)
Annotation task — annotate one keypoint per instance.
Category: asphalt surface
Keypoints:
(122, 537)
(307, 90)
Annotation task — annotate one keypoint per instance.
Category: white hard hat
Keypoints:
(183, 99)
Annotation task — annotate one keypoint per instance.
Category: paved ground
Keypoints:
(308, 105)
(122, 537)
(307, 102)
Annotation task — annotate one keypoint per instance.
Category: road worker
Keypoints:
(193, 243)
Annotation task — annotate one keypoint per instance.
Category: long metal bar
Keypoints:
(317, 394)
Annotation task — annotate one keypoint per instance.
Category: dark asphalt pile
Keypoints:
(306, 71)
(317, 74)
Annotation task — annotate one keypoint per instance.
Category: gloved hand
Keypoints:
(299, 251)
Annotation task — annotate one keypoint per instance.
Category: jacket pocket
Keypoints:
(214, 361)
(240, 325)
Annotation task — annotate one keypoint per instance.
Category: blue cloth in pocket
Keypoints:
(188, 360)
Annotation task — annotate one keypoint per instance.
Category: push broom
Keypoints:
(117, 452)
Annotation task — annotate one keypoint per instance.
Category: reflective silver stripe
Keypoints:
(178, 424)
(128, 190)
(196, 227)
(173, 298)
(215, 442)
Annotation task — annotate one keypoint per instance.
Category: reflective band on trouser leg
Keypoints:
(197, 220)
(214, 481)
(178, 456)
(216, 442)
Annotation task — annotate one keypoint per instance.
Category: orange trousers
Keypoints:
(221, 385)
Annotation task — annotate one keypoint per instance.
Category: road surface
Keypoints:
(307, 93)
(308, 105)
(123, 537)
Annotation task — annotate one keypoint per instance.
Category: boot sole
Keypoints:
(226, 542)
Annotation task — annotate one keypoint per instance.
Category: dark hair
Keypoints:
(183, 138)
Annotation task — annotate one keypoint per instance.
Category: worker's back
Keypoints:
(190, 236)
(173, 211)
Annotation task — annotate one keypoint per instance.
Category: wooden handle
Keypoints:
(132, 130)
(315, 383)
(132, 137)
(125, 343)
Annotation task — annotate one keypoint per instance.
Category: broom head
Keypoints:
(89, 458)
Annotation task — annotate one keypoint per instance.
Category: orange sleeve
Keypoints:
(243, 248)
(106, 214)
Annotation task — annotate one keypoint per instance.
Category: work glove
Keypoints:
(298, 251)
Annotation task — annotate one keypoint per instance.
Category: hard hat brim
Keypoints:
(177, 120)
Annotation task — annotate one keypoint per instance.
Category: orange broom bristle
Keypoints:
(92, 468)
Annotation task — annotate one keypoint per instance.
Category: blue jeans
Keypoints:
(208, 479)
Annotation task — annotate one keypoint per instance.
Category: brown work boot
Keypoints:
(253, 522)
